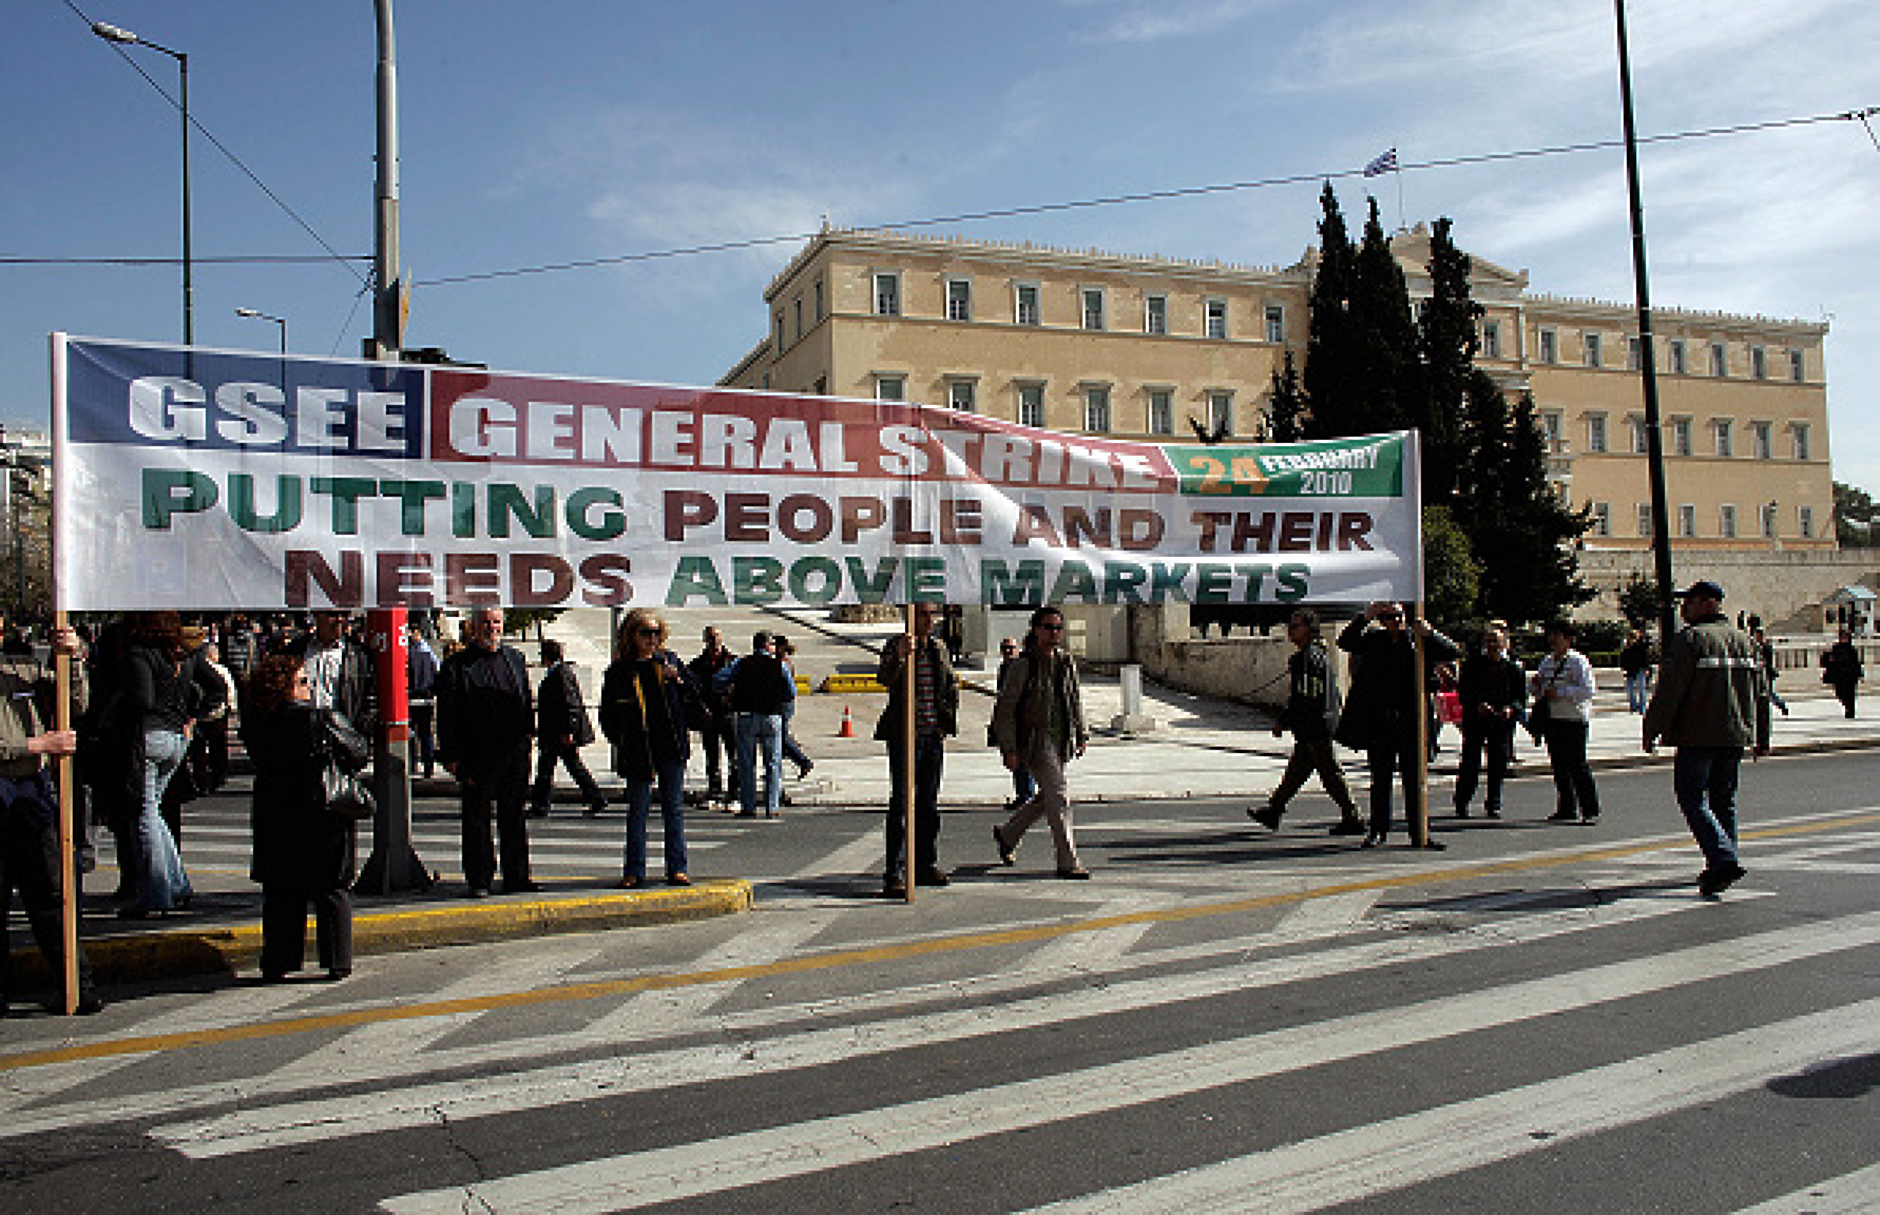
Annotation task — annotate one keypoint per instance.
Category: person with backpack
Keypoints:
(1311, 713)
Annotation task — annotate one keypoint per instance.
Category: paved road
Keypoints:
(1542, 1018)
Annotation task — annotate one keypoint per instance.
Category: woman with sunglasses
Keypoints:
(304, 853)
(643, 701)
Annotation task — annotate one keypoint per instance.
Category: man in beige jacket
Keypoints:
(1039, 725)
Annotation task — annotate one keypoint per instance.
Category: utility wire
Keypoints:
(332, 253)
(1155, 196)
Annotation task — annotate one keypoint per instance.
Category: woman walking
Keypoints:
(1563, 688)
(643, 697)
(304, 852)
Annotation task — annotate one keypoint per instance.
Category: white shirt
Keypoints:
(321, 663)
(1571, 680)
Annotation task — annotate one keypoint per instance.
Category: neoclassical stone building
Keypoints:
(1090, 341)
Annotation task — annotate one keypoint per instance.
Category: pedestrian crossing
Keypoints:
(1296, 1046)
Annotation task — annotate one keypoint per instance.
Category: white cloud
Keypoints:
(1162, 22)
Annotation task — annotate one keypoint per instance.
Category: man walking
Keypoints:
(1711, 703)
(1311, 713)
(484, 720)
(936, 718)
(1039, 722)
(562, 728)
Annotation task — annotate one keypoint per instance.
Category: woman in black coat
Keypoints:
(304, 852)
(643, 709)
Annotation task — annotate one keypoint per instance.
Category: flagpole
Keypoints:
(62, 704)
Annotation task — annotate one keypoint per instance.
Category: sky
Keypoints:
(568, 130)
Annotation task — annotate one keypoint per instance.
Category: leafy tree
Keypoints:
(1327, 376)
(1286, 405)
(1638, 601)
(1447, 341)
(1855, 514)
(1451, 574)
(1383, 339)
(518, 621)
(1535, 571)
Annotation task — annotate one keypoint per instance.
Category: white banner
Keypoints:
(205, 479)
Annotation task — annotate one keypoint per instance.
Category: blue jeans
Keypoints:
(763, 730)
(1638, 690)
(161, 882)
(1708, 774)
(671, 778)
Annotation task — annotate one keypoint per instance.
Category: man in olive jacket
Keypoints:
(1039, 724)
(1711, 703)
(936, 718)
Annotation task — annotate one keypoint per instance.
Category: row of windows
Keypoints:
(1093, 307)
(1768, 520)
(1677, 362)
(1762, 436)
(1097, 399)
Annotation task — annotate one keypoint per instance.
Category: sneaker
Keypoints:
(1267, 816)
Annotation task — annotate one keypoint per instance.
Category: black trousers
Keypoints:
(1311, 755)
(929, 761)
(502, 786)
(284, 926)
(1479, 735)
(29, 863)
(721, 735)
(1574, 791)
(548, 754)
(1387, 758)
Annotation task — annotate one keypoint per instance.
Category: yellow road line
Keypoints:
(872, 954)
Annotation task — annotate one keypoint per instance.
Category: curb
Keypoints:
(211, 949)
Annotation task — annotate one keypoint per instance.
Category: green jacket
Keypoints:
(1710, 689)
(1021, 721)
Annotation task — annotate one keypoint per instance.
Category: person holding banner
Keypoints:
(1386, 701)
(485, 716)
(29, 810)
(936, 718)
(1039, 722)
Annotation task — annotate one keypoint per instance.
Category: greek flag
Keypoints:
(1387, 163)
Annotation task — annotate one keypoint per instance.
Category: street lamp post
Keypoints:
(262, 316)
(112, 33)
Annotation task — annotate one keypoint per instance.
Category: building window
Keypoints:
(1719, 360)
(1552, 425)
(1093, 307)
(1726, 522)
(1758, 363)
(963, 395)
(959, 299)
(1769, 521)
(819, 301)
(1805, 522)
(1602, 518)
(1641, 436)
(1031, 405)
(1680, 436)
(1275, 324)
(1154, 314)
(1596, 433)
(1026, 312)
(1491, 339)
(780, 346)
(1216, 318)
(1762, 440)
(1097, 409)
(1687, 521)
(1800, 431)
(1161, 411)
(887, 294)
(799, 318)
(1677, 356)
(1550, 346)
(1724, 438)
(891, 388)
(1589, 345)
(1634, 354)
(1645, 519)
(1798, 366)
(1221, 413)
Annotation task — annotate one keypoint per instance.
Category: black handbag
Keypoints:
(343, 751)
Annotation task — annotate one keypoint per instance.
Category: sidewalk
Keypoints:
(1202, 748)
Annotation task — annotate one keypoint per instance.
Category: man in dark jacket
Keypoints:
(484, 720)
(1311, 713)
(1711, 703)
(720, 730)
(1492, 687)
(421, 689)
(756, 685)
(1387, 700)
(936, 718)
(562, 728)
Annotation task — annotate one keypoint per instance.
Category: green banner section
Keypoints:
(1371, 467)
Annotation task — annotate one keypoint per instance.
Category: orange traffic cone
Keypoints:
(848, 724)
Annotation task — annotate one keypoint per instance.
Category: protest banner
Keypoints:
(202, 479)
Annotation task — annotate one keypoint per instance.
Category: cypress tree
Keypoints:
(1286, 405)
(1383, 340)
(1447, 341)
(1328, 325)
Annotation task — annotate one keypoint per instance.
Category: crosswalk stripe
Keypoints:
(1365, 1161)
(1856, 1193)
(714, 1165)
(1201, 1067)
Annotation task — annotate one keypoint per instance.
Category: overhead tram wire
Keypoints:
(1293, 179)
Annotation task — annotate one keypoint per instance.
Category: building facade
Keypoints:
(1140, 347)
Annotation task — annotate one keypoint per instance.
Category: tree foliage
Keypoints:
(1286, 405)
(1447, 338)
(1855, 514)
(1451, 573)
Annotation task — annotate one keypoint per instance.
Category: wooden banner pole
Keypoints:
(1420, 813)
(68, 870)
(908, 685)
